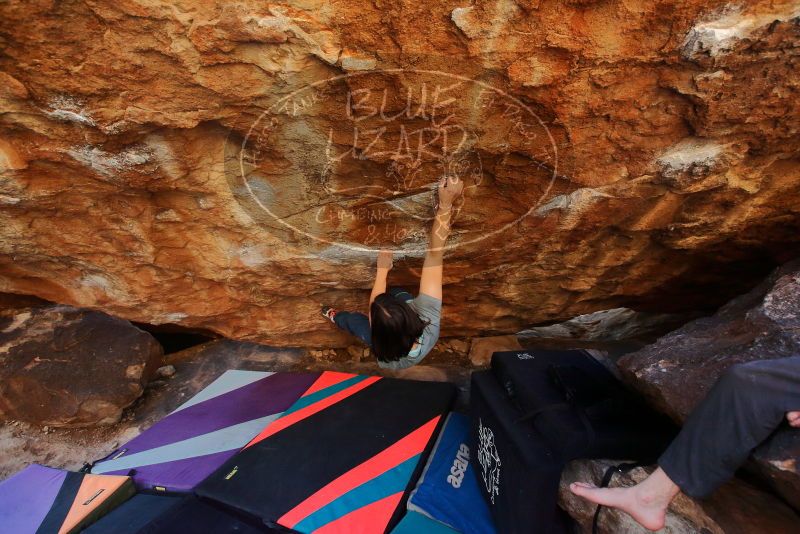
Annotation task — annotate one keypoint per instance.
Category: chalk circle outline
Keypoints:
(404, 251)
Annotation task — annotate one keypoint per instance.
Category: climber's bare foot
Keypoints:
(645, 502)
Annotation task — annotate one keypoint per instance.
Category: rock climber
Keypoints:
(402, 329)
(747, 404)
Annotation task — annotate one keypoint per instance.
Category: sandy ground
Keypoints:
(22, 444)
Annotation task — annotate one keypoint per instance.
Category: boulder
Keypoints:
(231, 166)
(777, 461)
(67, 367)
(677, 371)
(482, 348)
(736, 508)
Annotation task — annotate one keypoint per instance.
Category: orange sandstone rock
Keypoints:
(230, 166)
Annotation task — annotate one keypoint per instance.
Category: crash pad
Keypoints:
(182, 449)
(44, 500)
(342, 459)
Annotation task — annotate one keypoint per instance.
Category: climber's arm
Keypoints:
(381, 274)
(431, 279)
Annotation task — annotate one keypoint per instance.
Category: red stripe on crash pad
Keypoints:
(311, 409)
(327, 379)
(397, 453)
(369, 519)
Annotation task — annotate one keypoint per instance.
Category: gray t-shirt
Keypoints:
(429, 310)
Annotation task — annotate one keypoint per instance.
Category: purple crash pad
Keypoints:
(178, 452)
(27, 497)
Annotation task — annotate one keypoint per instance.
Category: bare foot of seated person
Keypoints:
(646, 502)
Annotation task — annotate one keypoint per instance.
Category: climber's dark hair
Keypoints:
(395, 327)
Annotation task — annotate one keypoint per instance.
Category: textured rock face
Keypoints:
(609, 325)
(60, 366)
(677, 371)
(231, 165)
(736, 508)
(481, 350)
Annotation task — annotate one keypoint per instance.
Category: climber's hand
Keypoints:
(450, 188)
(793, 418)
(385, 259)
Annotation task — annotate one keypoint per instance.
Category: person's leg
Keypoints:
(355, 323)
(743, 408)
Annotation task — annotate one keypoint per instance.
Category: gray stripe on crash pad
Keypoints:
(225, 439)
(227, 382)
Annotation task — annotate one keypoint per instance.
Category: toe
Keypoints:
(590, 492)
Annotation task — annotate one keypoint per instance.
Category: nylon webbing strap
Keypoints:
(607, 476)
(533, 413)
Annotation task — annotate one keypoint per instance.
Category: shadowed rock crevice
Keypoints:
(174, 338)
